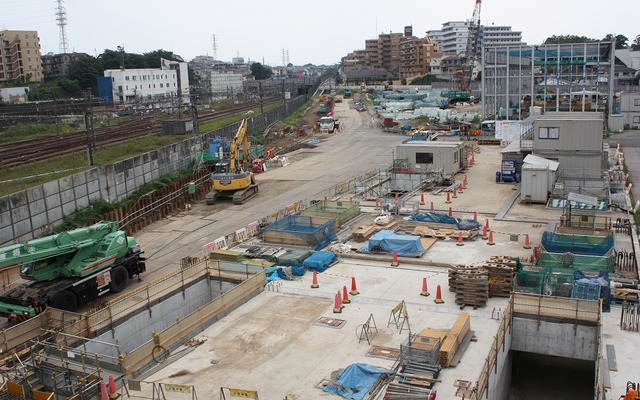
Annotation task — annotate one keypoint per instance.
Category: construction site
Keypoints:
(368, 278)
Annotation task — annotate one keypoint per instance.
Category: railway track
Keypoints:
(42, 149)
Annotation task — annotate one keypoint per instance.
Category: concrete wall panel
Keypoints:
(555, 339)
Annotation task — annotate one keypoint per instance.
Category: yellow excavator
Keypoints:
(232, 179)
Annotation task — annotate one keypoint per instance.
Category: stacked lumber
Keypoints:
(426, 231)
(453, 275)
(502, 272)
(364, 232)
(472, 287)
(226, 255)
(454, 338)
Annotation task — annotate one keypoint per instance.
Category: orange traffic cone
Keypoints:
(421, 199)
(354, 290)
(490, 241)
(455, 193)
(432, 208)
(450, 212)
(314, 284)
(448, 198)
(438, 299)
(459, 239)
(475, 216)
(424, 292)
(394, 262)
(460, 188)
(337, 303)
(112, 388)
(377, 203)
(484, 233)
(486, 224)
(464, 182)
(103, 391)
(527, 245)
(345, 296)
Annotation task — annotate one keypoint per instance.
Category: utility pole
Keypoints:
(260, 94)
(91, 141)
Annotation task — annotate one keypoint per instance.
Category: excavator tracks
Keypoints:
(243, 195)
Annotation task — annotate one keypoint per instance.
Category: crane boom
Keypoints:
(464, 75)
(240, 139)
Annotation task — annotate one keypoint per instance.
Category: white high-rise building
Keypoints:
(454, 35)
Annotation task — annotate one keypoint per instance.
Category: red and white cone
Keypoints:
(475, 216)
(394, 262)
(486, 224)
(314, 284)
(425, 291)
(345, 296)
(421, 199)
(432, 207)
(527, 245)
(354, 289)
(450, 212)
(460, 243)
(377, 203)
(484, 233)
(337, 303)
(438, 299)
(448, 198)
(455, 193)
(112, 388)
(490, 241)
(104, 395)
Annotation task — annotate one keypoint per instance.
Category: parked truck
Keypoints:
(69, 269)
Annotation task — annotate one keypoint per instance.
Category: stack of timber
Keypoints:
(454, 338)
(502, 272)
(453, 275)
(472, 287)
(364, 232)
(426, 231)
(226, 255)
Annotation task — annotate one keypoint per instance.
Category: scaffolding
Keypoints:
(554, 77)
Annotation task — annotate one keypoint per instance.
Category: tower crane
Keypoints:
(465, 72)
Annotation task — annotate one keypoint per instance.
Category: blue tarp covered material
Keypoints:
(278, 273)
(387, 241)
(356, 381)
(577, 244)
(462, 224)
(605, 286)
(319, 261)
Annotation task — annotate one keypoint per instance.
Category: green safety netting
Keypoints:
(578, 262)
(577, 244)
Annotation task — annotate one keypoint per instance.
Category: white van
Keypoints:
(328, 123)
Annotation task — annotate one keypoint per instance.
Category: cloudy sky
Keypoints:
(317, 32)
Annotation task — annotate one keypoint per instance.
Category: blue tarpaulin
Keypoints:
(277, 273)
(387, 241)
(319, 261)
(356, 381)
(462, 224)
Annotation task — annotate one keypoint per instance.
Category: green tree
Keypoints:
(636, 43)
(260, 71)
(70, 86)
(621, 40)
(568, 39)
(86, 71)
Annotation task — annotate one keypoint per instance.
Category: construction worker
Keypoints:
(632, 393)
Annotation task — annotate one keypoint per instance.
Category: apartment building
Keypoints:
(454, 35)
(20, 58)
(167, 84)
(56, 65)
(415, 55)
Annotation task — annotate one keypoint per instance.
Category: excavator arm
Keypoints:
(240, 139)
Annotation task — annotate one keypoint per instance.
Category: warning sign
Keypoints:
(245, 394)
(176, 388)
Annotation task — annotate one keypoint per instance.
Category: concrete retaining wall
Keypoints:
(30, 213)
(555, 339)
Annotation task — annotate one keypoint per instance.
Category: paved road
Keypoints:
(357, 149)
